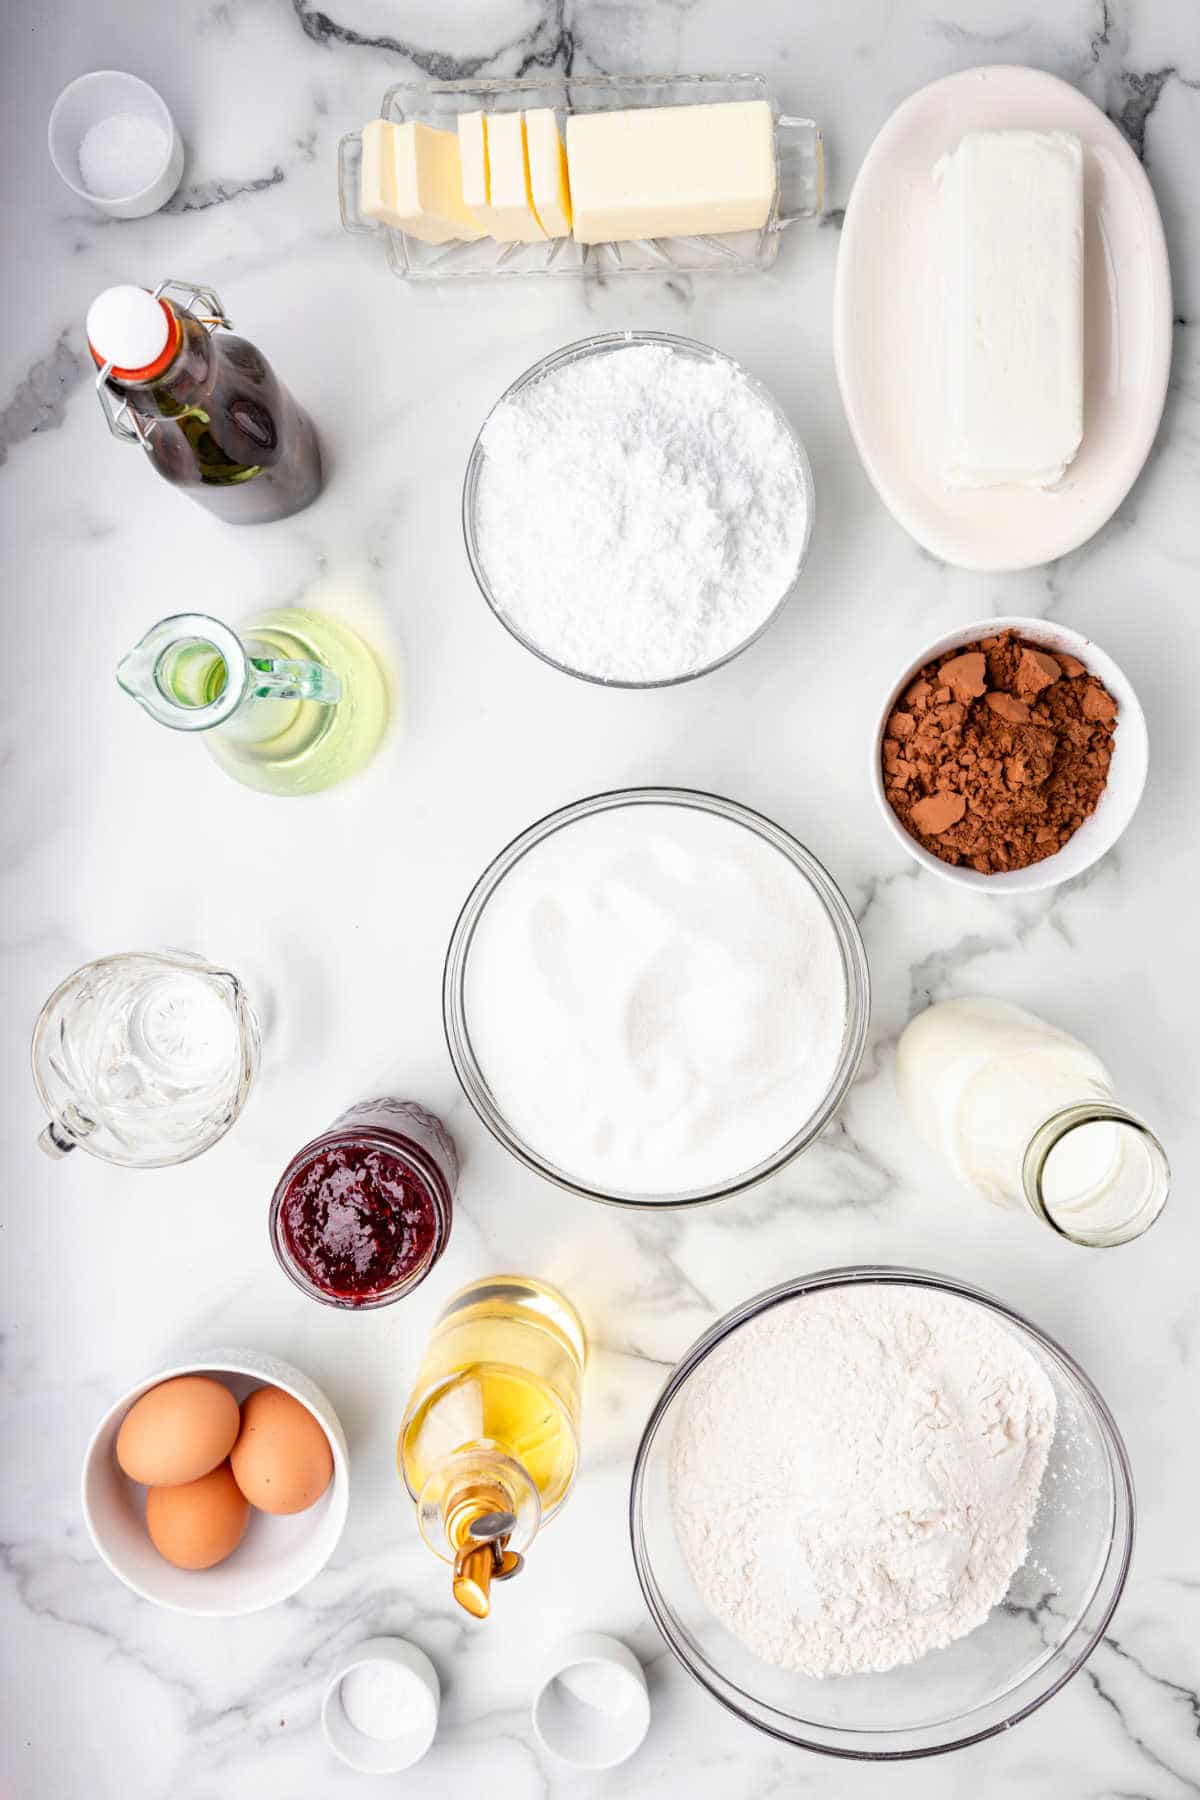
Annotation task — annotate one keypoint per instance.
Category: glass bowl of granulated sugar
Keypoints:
(879, 1514)
(656, 997)
(637, 509)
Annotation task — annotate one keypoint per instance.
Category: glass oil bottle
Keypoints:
(489, 1445)
(290, 703)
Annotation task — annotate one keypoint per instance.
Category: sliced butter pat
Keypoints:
(1012, 219)
(511, 217)
(472, 149)
(412, 180)
(671, 171)
(548, 185)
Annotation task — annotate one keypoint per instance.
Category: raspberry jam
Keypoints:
(362, 1213)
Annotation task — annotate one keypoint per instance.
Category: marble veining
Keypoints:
(197, 196)
(112, 838)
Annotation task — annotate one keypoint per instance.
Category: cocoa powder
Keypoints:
(996, 753)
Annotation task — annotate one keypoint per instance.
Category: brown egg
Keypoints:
(178, 1431)
(198, 1523)
(281, 1460)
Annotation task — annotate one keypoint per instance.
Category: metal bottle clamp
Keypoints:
(121, 418)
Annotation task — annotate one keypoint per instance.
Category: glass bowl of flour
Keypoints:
(656, 997)
(879, 1514)
(637, 509)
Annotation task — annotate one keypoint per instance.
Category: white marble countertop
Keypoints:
(115, 836)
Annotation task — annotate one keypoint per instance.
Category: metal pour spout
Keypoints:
(478, 1526)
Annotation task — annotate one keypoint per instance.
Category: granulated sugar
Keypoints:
(854, 1474)
(640, 513)
(656, 999)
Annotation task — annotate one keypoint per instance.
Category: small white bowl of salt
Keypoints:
(591, 1708)
(114, 143)
(381, 1706)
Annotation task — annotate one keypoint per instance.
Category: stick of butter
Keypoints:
(1012, 222)
(412, 179)
(548, 184)
(671, 171)
(511, 215)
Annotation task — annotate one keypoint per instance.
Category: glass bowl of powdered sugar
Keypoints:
(879, 1514)
(637, 509)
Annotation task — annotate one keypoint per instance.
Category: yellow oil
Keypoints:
(298, 746)
(503, 1366)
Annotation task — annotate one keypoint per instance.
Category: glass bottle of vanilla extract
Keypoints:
(205, 405)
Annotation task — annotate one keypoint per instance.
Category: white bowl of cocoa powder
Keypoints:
(1010, 756)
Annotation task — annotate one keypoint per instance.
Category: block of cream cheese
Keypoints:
(412, 179)
(511, 217)
(1012, 229)
(671, 171)
(548, 183)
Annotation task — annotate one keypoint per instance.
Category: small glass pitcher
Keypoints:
(293, 703)
(144, 1059)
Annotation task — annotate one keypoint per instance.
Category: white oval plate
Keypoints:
(888, 335)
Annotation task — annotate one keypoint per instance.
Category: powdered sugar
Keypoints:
(639, 513)
(854, 1474)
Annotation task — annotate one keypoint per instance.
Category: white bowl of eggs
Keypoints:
(218, 1486)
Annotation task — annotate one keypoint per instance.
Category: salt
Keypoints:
(639, 513)
(598, 1685)
(379, 1700)
(121, 155)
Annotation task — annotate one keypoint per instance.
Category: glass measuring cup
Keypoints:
(144, 1059)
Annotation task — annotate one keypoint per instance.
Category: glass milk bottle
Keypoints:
(291, 703)
(206, 407)
(1026, 1114)
(489, 1445)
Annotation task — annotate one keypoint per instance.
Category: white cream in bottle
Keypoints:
(1026, 1114)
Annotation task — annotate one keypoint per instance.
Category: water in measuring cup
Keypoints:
(146, 1060)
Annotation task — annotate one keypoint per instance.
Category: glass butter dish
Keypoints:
(799, 179)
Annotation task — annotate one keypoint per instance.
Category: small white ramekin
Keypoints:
(82, 104)
(607, 1727)
(1126, 773)
(423, 1696)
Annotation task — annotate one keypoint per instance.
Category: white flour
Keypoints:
(854, 1474)
(639, 513)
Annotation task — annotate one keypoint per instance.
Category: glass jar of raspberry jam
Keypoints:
(362, 1213)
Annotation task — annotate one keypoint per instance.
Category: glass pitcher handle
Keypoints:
(276, 678)
(55, 1141)
(167, 671)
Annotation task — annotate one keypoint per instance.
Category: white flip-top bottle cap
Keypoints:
(126, 326)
